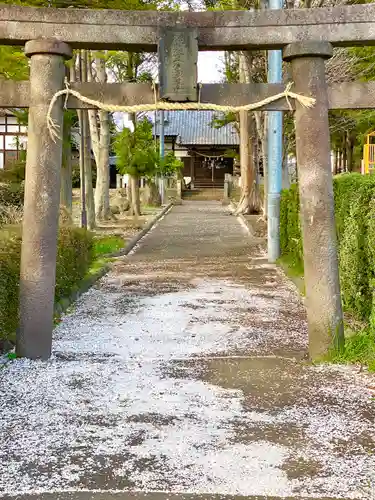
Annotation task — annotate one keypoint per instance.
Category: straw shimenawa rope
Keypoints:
(53, 128)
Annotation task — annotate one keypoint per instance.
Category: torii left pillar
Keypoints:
(42, 195)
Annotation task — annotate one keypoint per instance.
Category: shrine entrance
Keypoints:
(306, 36)
(208, 171)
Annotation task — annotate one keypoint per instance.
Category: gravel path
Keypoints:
(183, 371)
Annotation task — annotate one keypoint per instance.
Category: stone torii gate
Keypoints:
(306, 37)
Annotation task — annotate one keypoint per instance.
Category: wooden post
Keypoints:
(323, 299)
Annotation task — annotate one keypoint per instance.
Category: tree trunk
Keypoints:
(66, 194)
(135, 201)
(133, 188)
(77, 73)
(100, 144)
(349, 151)
(262, 130)
(94, 133)
(250, 199)
(93, 117)
(66, 169)
(151, 195)
(129, 192)
(337, 160)
(341, 158)
(89, 191)
(286, 175)
(344, 153)
(261, 121)
(265, 162)
(102, 208)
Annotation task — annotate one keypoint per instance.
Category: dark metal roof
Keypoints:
(194, 128)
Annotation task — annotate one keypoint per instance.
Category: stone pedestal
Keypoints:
(179, 189)
(227, 188)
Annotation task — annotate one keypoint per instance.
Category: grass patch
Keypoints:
(359, 348)
(294, 267)
(97, 265)
(294, 270)
(107, 245)
(151, 208)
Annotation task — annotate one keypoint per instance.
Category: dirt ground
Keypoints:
(121, 224)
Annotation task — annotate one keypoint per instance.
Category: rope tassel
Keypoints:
(53, 128)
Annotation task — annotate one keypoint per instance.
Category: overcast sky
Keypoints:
(209, 66)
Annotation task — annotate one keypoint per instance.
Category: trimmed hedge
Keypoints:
(75, 254)
(355, 222)
(290, 228)
(9, 286)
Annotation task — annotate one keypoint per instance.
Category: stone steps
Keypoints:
(204, 194)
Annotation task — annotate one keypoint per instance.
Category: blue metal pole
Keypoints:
(161, 150)
(275, 155)
(161, 133)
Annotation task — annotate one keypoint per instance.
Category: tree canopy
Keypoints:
(135, 151)
(138, 156)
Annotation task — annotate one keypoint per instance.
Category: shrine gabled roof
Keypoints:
(195, 128)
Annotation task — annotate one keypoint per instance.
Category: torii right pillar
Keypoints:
(321, 270)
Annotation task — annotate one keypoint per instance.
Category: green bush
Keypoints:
(345, 189)
(15, 173)
(12, 181)
(10, 252)
(284, 205)
(290, 226)
(355, 223)
(75, 252)
(353, 263)
(370, 254)
(74, 256)
(11, 194)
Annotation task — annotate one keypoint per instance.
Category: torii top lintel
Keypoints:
(220, 30)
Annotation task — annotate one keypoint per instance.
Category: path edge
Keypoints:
(280, 269)
(241, 219)
(132, 243)
(88, 282)
(63, 305)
